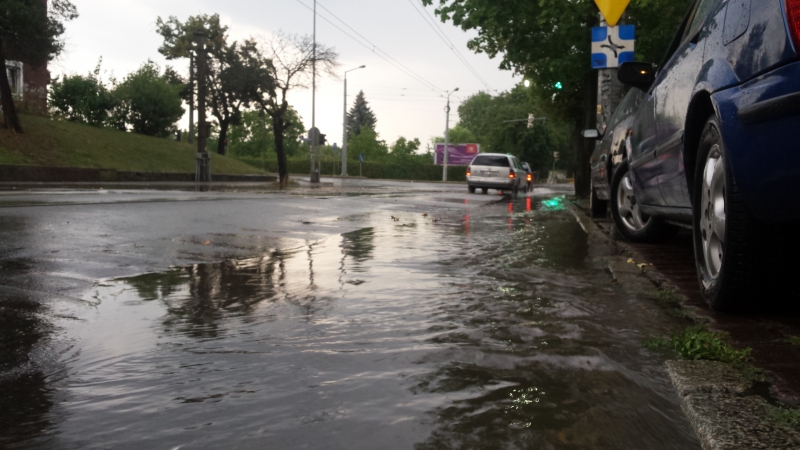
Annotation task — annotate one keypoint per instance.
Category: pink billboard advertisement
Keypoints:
(457, 155)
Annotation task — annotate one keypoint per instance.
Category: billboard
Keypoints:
(457, 154)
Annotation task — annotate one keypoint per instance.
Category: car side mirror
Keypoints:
(592, 134)
(636, 74)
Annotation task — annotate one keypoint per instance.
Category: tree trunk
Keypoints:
(585, 147)
(277, 131)
(10, 117)
(223, 136)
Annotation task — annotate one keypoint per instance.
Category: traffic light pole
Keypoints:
(446, 136)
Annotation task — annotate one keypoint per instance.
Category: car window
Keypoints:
(491, 160)
(699, 16)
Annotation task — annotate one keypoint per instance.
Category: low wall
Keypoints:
(76, 175)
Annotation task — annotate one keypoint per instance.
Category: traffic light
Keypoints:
(321, 139)
(531, 119)
(558, 85)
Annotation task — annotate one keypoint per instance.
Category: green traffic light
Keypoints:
(558, 85)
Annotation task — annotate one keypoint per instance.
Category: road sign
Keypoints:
(612, 46)
(555, 156)
(612, 9)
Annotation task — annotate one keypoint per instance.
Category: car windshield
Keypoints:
(491, 160)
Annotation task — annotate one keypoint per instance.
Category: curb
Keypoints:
(723, 405)
(718, 402)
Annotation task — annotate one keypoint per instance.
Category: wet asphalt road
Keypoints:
(358, 315)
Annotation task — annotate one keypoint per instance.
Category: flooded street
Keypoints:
(394, 318)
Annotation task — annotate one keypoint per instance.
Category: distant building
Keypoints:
(29, 85)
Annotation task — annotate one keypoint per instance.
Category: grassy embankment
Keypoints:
(55, 143)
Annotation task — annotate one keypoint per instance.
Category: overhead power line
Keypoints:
(431, 21)
(374, 48)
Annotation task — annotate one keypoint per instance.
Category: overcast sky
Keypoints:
(123, 33)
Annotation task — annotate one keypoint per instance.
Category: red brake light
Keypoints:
(469, 171)
(793, 17)
(511, 173)
(530, 177)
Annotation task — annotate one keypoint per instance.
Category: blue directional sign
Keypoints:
(361, 158)
(612, 46)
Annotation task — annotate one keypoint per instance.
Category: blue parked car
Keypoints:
(715, 145)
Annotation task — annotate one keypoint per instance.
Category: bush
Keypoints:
(82, 99)
(381, 170)
(148, 102)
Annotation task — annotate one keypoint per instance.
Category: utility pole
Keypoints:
(344, 124)
(203, 173)
(191, 98)
(446, 135)
(314, 173)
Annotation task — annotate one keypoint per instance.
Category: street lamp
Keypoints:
(527, 83)
(344, 124)
(447, 134)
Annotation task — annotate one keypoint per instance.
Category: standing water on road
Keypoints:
(495, 330)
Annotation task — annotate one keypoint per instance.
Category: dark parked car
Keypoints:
(610, 151)
(715, 145)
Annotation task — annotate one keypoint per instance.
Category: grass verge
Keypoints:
(55, 143)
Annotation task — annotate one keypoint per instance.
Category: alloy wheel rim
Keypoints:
(628, 207)
(712, 217)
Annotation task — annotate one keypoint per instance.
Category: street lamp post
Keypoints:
(446, 135)
(344, 124)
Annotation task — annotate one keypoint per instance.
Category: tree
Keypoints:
(291, 59)
(548, 41)
(458, 135)
(360, 115)
(254, 138)
(30, 32)
(147, 102)
(82, 99)
(236, 72)
(367, 144)
(235, 79)
(403, 148)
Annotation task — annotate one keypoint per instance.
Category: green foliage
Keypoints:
(459, 134)
(697, 343)
(30, 30)
(367, 144)
(482, 117)
(786, 416)
(147, 103)
(420, 169)
(793, 340)
(179, 37)
(254, 137)
(82, 99)
(360, 116)
(668, 297)
(403, 148)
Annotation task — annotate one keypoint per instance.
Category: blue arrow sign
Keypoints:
(612, 46)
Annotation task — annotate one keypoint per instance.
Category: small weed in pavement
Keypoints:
(668, 297)
(697, 343)
(786, 416)
(793, 340)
